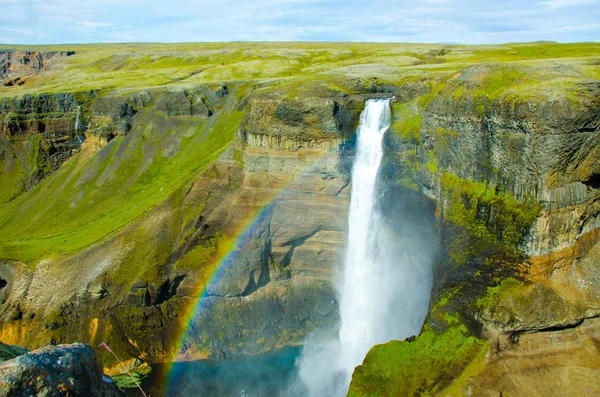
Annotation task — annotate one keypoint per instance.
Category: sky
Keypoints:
(426, 21)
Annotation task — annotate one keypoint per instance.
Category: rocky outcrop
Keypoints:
(56, 371)
(478, 137)
(281, 266)
(51, 114)
(182, 103)
(555, 362)
(305, 122)
(17, 64)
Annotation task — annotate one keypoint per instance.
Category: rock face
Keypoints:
(23, 63)
(56, 371)
(561, 362)
(512, 169)
(545, 151)
(300, 123)
(281, 265)
(279, 211)
(182, 103)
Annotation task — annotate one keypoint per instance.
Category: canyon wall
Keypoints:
(513, 172)
(274, 197)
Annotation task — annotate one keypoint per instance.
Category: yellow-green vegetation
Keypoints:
(431, 162)
(508, 288)
(12, 176)
(407, 121)
(134, 66)
(436, 362)
(490, 223)
(409, 368)
(238, 156)
(208, 251)
(91, 197)
(132, 379)
(21, 160)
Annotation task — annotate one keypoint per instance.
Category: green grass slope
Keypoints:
(92, 196)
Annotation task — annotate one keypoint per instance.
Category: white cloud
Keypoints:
(20, 32)
(566, 3)
(94, 25)
(580, 28)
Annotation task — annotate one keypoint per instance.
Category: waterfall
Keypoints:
(384, 290)
(78, 125)
(360, 313)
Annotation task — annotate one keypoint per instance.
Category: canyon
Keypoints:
(207, 217)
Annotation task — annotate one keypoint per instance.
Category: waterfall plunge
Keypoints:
(384, 290)
(78, 126)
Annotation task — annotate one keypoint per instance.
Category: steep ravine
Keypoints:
(173, 179)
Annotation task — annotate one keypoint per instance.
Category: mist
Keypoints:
(386, 277)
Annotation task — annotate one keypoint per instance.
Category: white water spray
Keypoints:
(384, 292)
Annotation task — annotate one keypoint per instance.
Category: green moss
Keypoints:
(207, 250)
(414, 368)
(490, 223)
(508, 288)
(407, 118)
(12, 174)
(444, 354)
(408, 182)
(499, 79)
(431, 162)
(133, 378)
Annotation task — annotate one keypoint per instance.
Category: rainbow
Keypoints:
(215, 270)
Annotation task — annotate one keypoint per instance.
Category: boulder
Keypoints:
(64, 370)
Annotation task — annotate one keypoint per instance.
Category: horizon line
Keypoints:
(298, 42)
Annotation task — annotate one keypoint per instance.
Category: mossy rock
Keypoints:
(490, 223)
(513, 305)
(415, 366)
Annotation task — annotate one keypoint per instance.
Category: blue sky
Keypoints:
(432, 21)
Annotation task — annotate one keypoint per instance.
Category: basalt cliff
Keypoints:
(126, 212)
